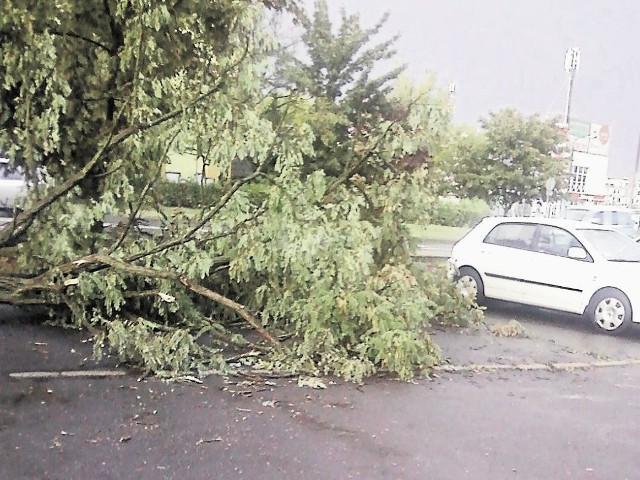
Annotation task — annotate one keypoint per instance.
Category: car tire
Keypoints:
(469, 283)
(610, 311)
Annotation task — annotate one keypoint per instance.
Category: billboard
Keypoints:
(599, 139)
(592, 138)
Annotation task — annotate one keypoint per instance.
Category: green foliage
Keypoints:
(99, 91)
(185, 194)
(341, 61)
(354, 305)
(336, 71)
(457, 213)
(508, 161)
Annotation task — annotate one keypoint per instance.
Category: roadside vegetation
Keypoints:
(304, 261)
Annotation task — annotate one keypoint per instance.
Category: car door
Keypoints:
(504, 261)
(553, 279)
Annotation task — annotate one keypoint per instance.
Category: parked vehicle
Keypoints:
(571, 266)
(618, 218)
(13, 185)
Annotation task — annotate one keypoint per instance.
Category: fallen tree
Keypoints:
(313, 270)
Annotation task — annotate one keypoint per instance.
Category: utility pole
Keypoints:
(571, 64)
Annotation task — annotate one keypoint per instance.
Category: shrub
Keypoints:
(457, 213)
(185, 194)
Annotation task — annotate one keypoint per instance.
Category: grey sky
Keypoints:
(503, 53)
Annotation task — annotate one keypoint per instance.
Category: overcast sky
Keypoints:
(510, 53)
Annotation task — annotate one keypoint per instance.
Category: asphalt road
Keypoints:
(570, 423)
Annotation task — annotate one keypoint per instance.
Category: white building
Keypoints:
(589, 144)
(617, 191)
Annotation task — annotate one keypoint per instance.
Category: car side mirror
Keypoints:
(578, 253)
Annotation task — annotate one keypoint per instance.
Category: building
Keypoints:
(186, 167)
(588, 146)
(617, 191)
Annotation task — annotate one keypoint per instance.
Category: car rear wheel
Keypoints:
(470, 284)
(610, 311)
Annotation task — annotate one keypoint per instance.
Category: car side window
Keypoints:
(514, 235)
(556, 241)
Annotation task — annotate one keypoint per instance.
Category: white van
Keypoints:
(618, 218)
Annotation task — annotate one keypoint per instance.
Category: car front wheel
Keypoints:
(470, 284)
(610, 311)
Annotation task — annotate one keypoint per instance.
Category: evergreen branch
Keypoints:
(83, 38)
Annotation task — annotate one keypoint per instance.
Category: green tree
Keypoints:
(508, 161)
(337, 69)
(99, 92)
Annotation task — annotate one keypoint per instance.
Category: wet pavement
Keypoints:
(570, 423)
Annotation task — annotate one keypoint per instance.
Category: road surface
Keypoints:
(511, 423)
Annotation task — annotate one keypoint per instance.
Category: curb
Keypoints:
(549, 367)
(69, 374)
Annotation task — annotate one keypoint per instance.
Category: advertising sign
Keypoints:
(599, 139)
(590, 138)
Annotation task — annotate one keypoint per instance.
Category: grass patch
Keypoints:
(439, 233)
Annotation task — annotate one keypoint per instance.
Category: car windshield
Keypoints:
(575, 213)
(614, 246)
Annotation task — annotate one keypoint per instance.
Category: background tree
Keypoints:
(317, 267)
(508, 161)
(336, 69)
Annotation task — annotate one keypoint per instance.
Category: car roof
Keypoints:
(554, 222)
(599, 208)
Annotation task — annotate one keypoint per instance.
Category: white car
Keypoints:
(560, 264)
(13, 186)
(617, 218)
